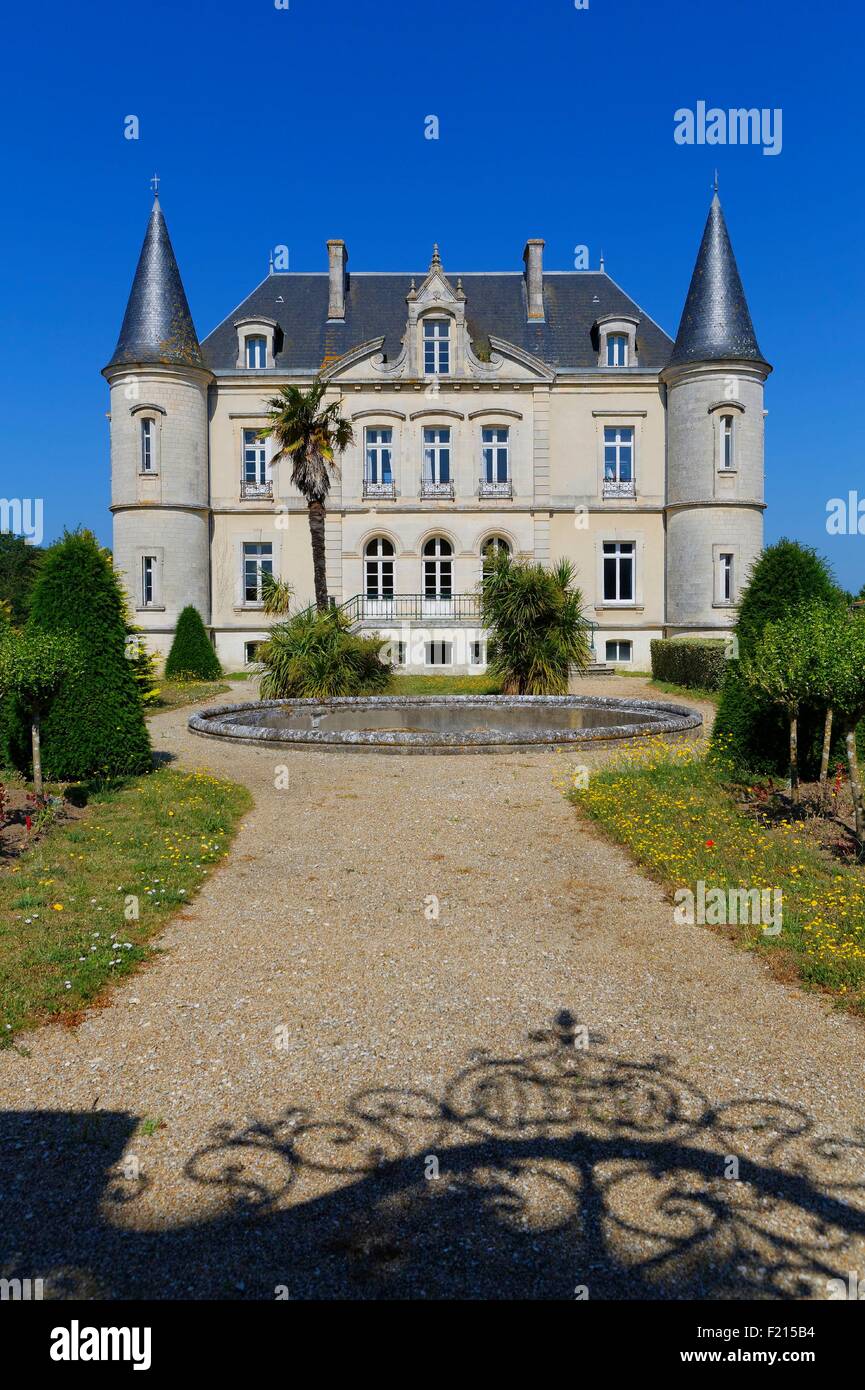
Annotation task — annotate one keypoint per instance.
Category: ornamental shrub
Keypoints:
(192, 656)
(315, 655)
(96, 725)
(749, 732)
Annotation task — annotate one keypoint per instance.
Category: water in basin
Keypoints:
(426, 718)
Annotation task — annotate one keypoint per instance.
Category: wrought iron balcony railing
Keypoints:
(393, 608)
(497, 489)
(433, 491)
(378, 491)
(614, 487)
(250, 490)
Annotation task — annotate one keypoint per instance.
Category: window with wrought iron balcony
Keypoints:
(496, 478)
(436, 483)
(378, 483)
(255, 480)
(619, 462)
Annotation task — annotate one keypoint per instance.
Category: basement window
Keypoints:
(439, 653)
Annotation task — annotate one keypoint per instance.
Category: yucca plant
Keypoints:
(311, 438)
(315, 655)
(276, 595)
(535, 620)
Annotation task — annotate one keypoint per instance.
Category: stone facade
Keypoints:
(662, 539)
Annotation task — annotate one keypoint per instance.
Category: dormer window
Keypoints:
(256, 343)
(616, 340)
(617, 350)
(256, 351)
(148, 453)
(436, 347)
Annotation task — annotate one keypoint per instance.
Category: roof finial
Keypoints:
(602, 262)
(436, 258)
(715, 186)
(270, 264)
(154, 184)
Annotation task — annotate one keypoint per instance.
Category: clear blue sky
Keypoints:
(290, 126)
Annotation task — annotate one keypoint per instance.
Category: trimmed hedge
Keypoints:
(96, 725)
(696, 662)
(192, 656)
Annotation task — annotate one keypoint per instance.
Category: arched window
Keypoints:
(492, 548)
(438, 568)
(495, 545)
(378, 568)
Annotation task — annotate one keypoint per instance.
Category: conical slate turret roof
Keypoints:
(157, 325)
(716, 322)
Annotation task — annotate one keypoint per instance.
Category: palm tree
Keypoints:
(535, 620)
(311, 438)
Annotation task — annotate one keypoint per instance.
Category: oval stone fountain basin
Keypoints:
(443, 723)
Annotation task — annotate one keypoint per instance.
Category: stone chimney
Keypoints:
(534, 259)
(338, 259)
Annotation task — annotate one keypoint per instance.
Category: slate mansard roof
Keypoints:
(376, 307)
(158, 327)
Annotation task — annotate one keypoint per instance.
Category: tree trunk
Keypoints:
(824, 760)
(37, 755)
(794, 759)
(319, 563)
(855, 784)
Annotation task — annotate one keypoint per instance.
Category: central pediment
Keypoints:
(436, 310)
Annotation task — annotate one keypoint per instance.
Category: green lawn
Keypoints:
(176, 694)
(67, 924)
(711, 696)
(443, 685)
(683, 824)
(686, 692)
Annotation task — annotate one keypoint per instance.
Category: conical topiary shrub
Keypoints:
(192, 656)
(96, 726)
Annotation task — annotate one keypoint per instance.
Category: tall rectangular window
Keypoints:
(436, 347)
(619, 563)
(256, 351)
(495, 454)
(437, 455)
(147, 435)
(148, 580)
(727, 455)
(617, 350)
(379, 456)
(725, 577)
(254, 457)
(619, 453)
(257, 562)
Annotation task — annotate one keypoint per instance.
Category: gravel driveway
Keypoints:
(427, 1034)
